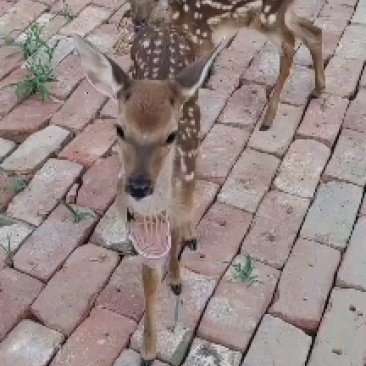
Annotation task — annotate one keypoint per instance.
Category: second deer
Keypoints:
(207, 21)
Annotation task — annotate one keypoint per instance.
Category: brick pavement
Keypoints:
(292, 198)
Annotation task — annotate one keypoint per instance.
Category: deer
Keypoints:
(157, 136)
(206, 21)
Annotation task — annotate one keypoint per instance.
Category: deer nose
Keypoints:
(139, 187)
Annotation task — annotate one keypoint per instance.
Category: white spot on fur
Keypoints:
(189, 177)
(267, 9)
(272, 18)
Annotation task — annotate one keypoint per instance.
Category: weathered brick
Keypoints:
(172, 345)
(30, 344)
(124, 293)
(323, 119)
(301, 168)
(112, 4)
(352, 271)
(68, 74)
(336, 11)
(235, 310)
(245, 106)
(4, 7)
(69, 295)
(363, 207)
(348, 161)
(332, 214)
(234, 60)
(219, 151)
(88, 19)
(353, 43)
(362, 83)
(305, 284)
(43, 193)
(211, 354)
(131, 358)
(8, 188)
(75, 6)
(249, 180)
(35, 150)
(46, 249)
(29, 117)
(104, 37)
(211, 104)
(223, 81)
(91, 144)
(18, 291)
(97, 341)
(65, 46)
(111, 232)
(309, 9)
(340, 340)
(221, 224)
(275, 228)
(359, 15)
(82, 106)
(248, 40)
(10, 58)
(342, 76)
(278, 138)
(278, 343)
(97, 192)
(6, 147)
(356, 114)
(204, 196)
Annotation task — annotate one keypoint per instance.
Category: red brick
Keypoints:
(244, 108)
(197, 289)
(356, 114)
(305, 284)
(235, 310)
(124, 293)
(342, 76)
(82, 106)
(211, 104)
(36, 149)
(91, 144)
(323, 119)
(360, 14)
(204, 196)
(30, 344)
(122, 12)
(363, 207)
(222, 225)
(309, 9)
(247, 40)
(234, 60)
(68, 75)
(6, 191)
(363, 80)
(69, 295)
(249, 180)
(46, 249)
(44, 191)
(278, 343)
(278, 138)
(11, 58)
(352, 271)
(89, 18)
(336, 11)
(223, 81)
(343, 321)
(97, 341)
(18, 291)
(6, 147)
(97, 192)
(348, 162)
(112, 4)
(29, 117)
(353, 43)
(4, 6)
(75, 6)
(301, 168)
(52, 26)
(104, 37)
(219, 151)
(275, 228)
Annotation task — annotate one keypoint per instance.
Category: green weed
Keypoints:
(243, 272)
(66, 11)
(78, 215)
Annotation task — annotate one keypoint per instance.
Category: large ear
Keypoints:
(102, 72)
(191, 78)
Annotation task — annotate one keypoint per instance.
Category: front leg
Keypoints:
(151, 280)
(175, 279)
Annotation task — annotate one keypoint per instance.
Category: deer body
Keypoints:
(207, 21)
(158, 128)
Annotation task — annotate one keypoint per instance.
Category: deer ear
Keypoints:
(191, 78)
(103, 73)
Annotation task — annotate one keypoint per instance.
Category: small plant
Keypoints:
(78, 215)
(16, 183)
(243, 272)
(6, 248)
(66, 11)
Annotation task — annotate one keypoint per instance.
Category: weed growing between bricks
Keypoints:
(78, 215)
(244, 272)
(16, 184)
(38, 57)
(6, 248)
(66, 11)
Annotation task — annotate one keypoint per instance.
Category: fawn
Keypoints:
(158, 136)
(206, 21)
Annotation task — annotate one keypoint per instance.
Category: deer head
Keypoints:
(148, 114)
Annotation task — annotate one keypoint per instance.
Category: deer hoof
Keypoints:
(264, 128)
(192, 244)
(177, 289)
(146, 362)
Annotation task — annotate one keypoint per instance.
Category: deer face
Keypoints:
(148, 116)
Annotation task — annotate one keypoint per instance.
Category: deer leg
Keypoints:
(286, 60)
(175, 280)
(311, 36)
(151, 280)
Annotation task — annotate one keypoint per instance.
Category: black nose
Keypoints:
(139, 187)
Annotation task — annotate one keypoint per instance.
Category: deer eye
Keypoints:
(172, 137)
(120, 132)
